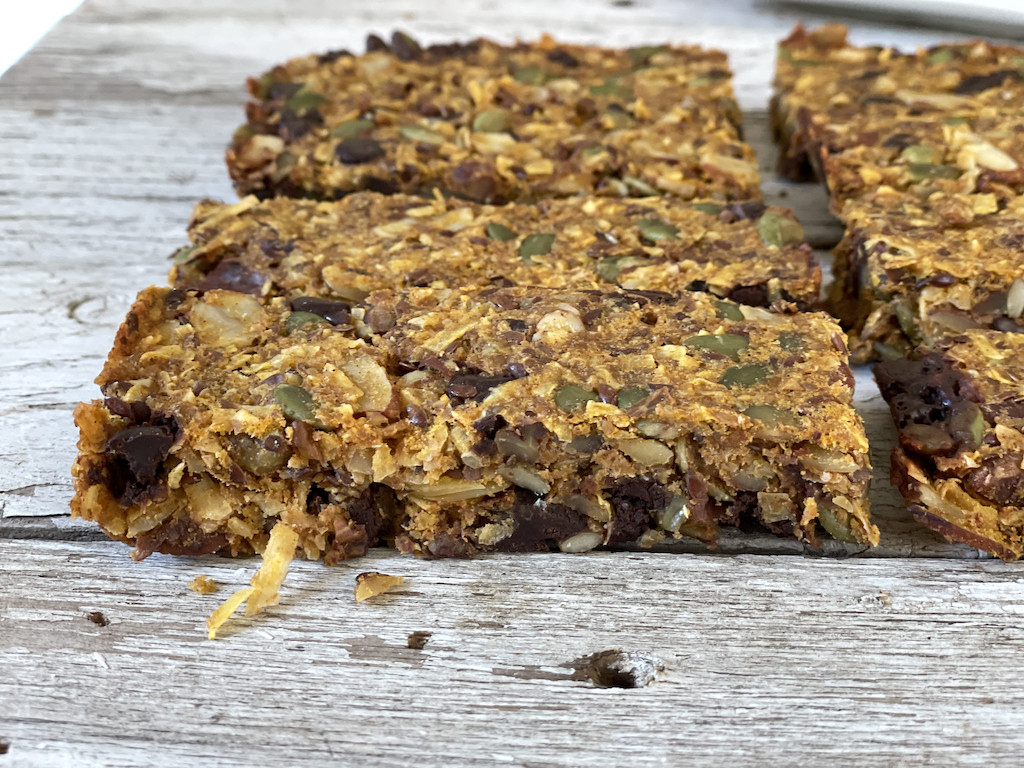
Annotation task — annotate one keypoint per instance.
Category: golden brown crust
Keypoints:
(744, 251)
(496, 123)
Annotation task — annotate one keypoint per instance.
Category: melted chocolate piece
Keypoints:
(635, 500)
(233, 276)
(333, 311)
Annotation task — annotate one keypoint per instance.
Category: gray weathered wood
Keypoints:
(111, 129)
(755, 660)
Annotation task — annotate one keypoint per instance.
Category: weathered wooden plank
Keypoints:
(754, 659)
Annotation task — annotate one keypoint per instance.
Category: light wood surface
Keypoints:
(110, 130)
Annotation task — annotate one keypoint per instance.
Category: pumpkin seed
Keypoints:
(656, 229)
(297, 405)
(924, 171)
(581, 542)
(941, 56)
(791, 341)
(352, 129)
(836, 526)
(640, 54)
(728, 344)
(641, 186)
(611, 267)
(745, 375)
(419, 133)
(499, 232)
(711, 209)
(630, 396)
(296, 320)
(491, 121)
(956, 121)
(921, 153)
(612, 87)
(570, 397)
(728, 311)
(535, 245)
(530, 76)
(303, 100)
(967, 425)
(776, 229)
(770, 416)
(183, 254)
(676, 514)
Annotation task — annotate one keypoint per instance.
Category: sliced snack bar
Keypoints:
(574, 419)
(959, 411)
(947, 112)
(496, 124)
(220, 419)
(300, 249)
(910, 271)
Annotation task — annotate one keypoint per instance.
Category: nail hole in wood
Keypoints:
(619, 669)
(417, 640)
(97, 618)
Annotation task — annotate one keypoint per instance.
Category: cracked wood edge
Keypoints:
(751, 657)
(119, 120)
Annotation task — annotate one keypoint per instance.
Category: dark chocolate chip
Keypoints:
(999, 480)
(133, 410)
(358, 150)
(334, 312)
(331, 56)
(179, 536)
(753, 295)
(475, 386)
(233, 276)
(380, 186)
(540, 527)
(635, 500)
(563, 57)
(142, 450)
(979, 83)
(405, 47)
(375, 43)
(1006, 325)
(752, 209)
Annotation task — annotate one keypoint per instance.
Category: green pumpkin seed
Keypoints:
(656, 229)
(907, 321)
(967, 425)
(630, 396)
(711, 209)
(790, 341)
(500, 232)
(941, 56)
(296, 320)
(610, 267)
(297, 405)
(593, 151)
(728, 344)
(618, 118)
(745, 375)
(353, 129)
(643, 188)
(535, 245)
(779, 230)
(419, 133)
(770, 416)
(924, 171)
(921, 153)
(612, 87)
(183, 254)
(570, 397)
(956, 121)
(530, 76)
(728, 311)
(242, 133)
(284, 164)
(837, 528)
(491, 121)
(303, 100)
(640, 54)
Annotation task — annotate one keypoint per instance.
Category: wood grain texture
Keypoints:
(112, 128)
(754, 660)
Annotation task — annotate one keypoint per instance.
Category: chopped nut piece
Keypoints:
(203, 585)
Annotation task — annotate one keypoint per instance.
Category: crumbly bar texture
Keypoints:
(496, 123)
(958, 107)
(576, 419)
(909, 271)
(342, 250)
(959, 411)
(215, 424)
(514, 419)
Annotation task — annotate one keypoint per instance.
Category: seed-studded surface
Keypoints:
(517, 419)
(216, 422)
(863, 116)
(910, 271)
(959, 409)
(495, 124)
(748, 252)
(582, 418)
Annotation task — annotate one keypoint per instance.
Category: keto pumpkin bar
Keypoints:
(574, 419)
(959, 411)
(495, 123)
(858, 117)
(910, 271)
(345, 249)
(505, 419)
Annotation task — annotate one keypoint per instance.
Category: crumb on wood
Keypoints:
(203, 585)
(371, 583)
